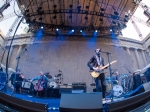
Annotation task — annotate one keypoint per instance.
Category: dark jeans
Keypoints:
(100, 84)
(18, 86)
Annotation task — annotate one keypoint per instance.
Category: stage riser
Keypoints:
(22, 105)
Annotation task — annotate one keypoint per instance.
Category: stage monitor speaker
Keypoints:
(142, 88)
(145, 87)
(82, 102)
(147, 74)
(137, 81)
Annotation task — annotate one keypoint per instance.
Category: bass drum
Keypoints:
(117, 90)
(53, 85)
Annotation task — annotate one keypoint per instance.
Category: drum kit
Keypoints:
(56, 80)
(122, 86)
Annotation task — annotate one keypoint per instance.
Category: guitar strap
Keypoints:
(99, 60)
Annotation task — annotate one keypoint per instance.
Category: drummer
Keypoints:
(115, 77)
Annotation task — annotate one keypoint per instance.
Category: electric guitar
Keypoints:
(99, 70)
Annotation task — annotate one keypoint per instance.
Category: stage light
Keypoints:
(111, 30)
(57, 29)
(81, 31)
(95, 30)
(72, 30)
(41, 27)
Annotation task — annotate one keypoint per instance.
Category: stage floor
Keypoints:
(54, 103)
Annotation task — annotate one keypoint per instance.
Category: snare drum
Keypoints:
(117, 90)
(53, 85)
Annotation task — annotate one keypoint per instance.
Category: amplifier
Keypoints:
(79, 86)
(26, 85)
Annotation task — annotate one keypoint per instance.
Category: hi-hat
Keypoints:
(58, 75)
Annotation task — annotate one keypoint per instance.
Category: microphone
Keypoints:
(100, 50)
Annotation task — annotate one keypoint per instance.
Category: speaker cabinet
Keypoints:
(145, 87)
(137, 81)
(142, 88)
(81, 102)
(79, 87)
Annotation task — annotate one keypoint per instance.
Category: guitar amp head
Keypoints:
(79, 86)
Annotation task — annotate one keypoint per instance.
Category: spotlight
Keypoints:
(95, 30)
(81, 31)
(111, 30)
(41, 27)
(72, 30)
(57, 29)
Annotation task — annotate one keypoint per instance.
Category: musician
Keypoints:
(95, 61)
(18, 81)
(115, 77)
(42, 79)
(1, 69)
(3, 78)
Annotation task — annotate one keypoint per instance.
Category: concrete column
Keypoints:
(10, 54)
(128, 50)
(137, 58)
(18, 52)
(148, 55)
(144, 57)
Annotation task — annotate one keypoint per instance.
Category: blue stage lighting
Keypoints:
(80, 30)
(111, 30)
(41, 27)
(72, 30)
(57, 29)
(95, 30)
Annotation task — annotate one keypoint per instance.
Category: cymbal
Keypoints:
(58, 75)
(48, 76)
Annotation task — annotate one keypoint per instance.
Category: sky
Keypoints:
(128, 32)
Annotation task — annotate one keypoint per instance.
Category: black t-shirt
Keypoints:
(15, 77)
(18, 78)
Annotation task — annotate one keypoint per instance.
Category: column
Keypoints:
(10, 54)
(128, 50)
(18, 52)
(147, 55)
(144, 57)
(137, 58)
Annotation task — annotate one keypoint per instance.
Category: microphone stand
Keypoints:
(18, 57)
(108, 54)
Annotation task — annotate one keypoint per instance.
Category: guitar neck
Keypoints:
(108, 64)
(104, 66)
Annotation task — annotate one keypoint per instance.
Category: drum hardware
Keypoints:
(114, 90)
(48, 76)
(117, 90)
(58, 75)
(53, 85)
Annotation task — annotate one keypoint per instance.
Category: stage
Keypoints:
(118, 104)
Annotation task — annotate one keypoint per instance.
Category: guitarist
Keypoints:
(41, 86)
(95, 61)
